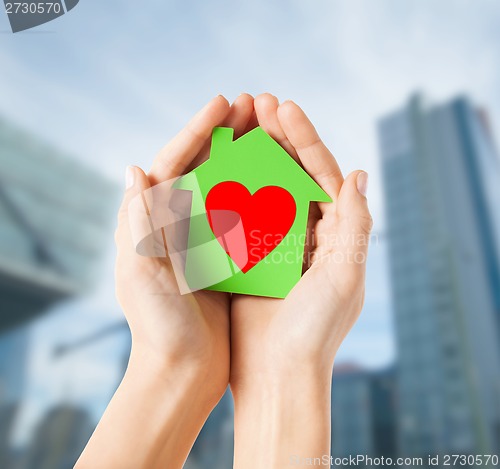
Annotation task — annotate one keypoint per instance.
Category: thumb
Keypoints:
(355, 224)
(133, 210)
(352, 205)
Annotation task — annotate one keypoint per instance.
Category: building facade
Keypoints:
(55, 216)
(59, 438)
(440, 168)
(363, 412)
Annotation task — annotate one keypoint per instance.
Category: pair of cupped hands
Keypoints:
(277, 355)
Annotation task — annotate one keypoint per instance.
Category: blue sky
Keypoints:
(112, 81)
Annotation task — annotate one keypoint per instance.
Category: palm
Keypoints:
(190, 326)
(284, 325)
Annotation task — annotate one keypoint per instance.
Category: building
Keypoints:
(55, 216)
(8, 413)
(363, 412)
(12, 344)
(214, 445)
(59, 439)
(13, 349)
(440, 176)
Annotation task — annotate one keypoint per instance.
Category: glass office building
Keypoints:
(54, 216)
(363, 412)
(65, 429)
(441, 177)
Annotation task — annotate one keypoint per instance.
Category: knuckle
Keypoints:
(194, 133)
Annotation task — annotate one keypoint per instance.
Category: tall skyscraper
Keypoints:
(441, 178)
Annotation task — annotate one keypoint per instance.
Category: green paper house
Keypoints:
(249, 210)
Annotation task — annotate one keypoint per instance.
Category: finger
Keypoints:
(266, 110)
(240, 114)
(238, 118)
(136, 183)
(315, 157)
(354, 225)
(174, 158)
(252, 123)
(352, 202)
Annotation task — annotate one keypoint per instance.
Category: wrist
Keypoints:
(271, 383)
(274, 370)
(190, 376)
(282, 415)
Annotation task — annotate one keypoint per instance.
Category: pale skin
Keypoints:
(277, 355)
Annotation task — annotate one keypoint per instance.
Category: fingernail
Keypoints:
(210, 103)
(129, 177)
(362, 183)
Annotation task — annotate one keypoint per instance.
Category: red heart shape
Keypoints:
(248, 226)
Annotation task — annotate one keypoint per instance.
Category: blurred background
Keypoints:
(408, 91)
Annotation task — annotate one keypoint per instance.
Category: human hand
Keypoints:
(179, 330)
(283, 350)
(179, 364)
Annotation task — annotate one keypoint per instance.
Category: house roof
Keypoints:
(256, 160)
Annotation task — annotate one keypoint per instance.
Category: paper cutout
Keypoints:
(256, 200)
